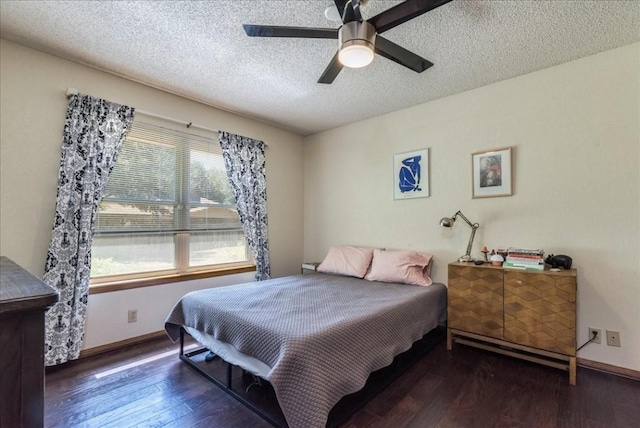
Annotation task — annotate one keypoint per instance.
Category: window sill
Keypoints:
(108, 287)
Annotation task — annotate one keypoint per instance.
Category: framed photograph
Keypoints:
(492, 173)
(411, 174)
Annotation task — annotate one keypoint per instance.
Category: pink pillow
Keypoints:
(408, 267)
(346, 260)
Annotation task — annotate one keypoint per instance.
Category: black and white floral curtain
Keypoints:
(245, 163)
(93, 133)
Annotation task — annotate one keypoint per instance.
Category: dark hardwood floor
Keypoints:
(462, 388)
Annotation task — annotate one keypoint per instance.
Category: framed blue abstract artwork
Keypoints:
(411, 174)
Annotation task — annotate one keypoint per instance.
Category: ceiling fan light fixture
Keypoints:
(356, 44)
(356, 54)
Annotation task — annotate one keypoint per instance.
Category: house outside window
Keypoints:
(167, 209)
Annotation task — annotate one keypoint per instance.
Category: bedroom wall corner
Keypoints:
(575, 130)
(32, 114)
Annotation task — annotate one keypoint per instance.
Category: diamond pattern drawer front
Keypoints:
(540, 311)
(476, 300)
(529, 315)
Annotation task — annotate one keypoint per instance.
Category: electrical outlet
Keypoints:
(613, 338)
(132, 315)
(598, 332)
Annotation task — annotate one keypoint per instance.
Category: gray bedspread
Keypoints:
(322, 335)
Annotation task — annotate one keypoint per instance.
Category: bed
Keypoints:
(315, 338)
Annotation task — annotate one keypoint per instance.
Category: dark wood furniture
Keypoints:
(23, 301)
(524, 314)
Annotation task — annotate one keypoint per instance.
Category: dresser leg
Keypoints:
(448, 339)
(572, 370)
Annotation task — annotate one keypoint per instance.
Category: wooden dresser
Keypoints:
(524, 314)
(23, 301)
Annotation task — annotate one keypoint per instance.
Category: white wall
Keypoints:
(32, 114)
(107, 312)
(575, 130)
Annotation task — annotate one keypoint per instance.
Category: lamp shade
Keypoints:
(446, 222)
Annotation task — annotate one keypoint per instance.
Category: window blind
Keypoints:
(167, 181)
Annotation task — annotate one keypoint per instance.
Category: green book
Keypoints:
(538, 267)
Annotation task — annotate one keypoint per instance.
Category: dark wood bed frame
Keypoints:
(345, 408)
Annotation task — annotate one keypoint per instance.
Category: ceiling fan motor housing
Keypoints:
(357, 44)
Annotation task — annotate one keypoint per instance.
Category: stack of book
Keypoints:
(526, 259)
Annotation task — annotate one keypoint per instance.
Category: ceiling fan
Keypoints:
(359, 39)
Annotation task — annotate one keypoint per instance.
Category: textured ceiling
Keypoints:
(198, 49)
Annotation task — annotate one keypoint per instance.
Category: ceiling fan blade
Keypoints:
(403, 12)
(301, 32)
(400, 55)
(331, 71)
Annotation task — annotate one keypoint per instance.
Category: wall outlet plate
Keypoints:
(132, 315)
(613, 338)
(598, 338)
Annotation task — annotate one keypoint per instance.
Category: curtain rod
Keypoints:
(73, 91)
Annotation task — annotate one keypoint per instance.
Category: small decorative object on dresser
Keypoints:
(559, 261)
(523, 314)
(484, 252)
(497, 260)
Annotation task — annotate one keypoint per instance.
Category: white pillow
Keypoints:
(347, 260)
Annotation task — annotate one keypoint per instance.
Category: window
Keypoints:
(168, 208)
